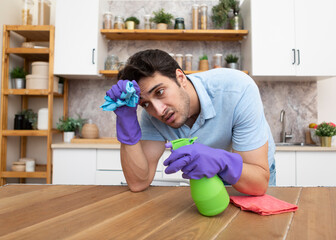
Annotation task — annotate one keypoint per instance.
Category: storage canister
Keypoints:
(195, 16)
(43, 12)
(36, 82)
(107, 24)
(179, 23)
(179, 59)
(40, 68)
(147, 24)
(119, 22)
(204, 16)
(42, 119)
(217, 60)
(188, 62)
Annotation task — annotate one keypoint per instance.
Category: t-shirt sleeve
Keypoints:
(148, 130)
(249, 123)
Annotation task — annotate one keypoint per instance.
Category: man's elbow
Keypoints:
(138, 187)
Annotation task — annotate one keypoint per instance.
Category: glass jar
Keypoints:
(112, 62)
(27, 17)
(107, 23)
(195, 16)
(217, 60)
(188, 62)
(204, 16)
(179, 59)
(119, 22)
(43, 12)
(179, 23)
(147, 23)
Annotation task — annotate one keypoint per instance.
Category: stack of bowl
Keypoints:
(39, 77)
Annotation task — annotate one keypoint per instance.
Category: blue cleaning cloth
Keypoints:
(130, 99)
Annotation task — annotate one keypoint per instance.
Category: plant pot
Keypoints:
(233, 65)
(161, 26)
(130, 25)
(203, 65)
(18, 83)
(67, 136)
(325, 141)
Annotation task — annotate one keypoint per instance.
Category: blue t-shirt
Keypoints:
(231, 116)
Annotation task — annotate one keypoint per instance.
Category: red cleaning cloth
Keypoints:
(263, 205)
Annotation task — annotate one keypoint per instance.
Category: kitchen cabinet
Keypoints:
(29, 55)
(289, 38)
(98, 166)
(285, 168)
(305, 168)
(316, 168)
(80, 49)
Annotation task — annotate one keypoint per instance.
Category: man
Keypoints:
(222, 107)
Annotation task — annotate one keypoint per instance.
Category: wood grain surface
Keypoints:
(113, 212)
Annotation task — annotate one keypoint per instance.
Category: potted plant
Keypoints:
(131, 22)
(69, 126)
(203, 63)
(25, 120)
(325, 131)
(232, 61)
(18, 76)
(162, 19)
(222, 12)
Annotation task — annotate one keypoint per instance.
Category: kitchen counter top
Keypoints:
(113, 212)
(117, 146)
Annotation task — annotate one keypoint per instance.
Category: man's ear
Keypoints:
(181, 78)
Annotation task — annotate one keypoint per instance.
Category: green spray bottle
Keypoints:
(209, 194)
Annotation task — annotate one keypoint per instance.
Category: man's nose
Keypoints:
(159, 107)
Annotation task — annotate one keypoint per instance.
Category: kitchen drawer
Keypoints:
(108, 159)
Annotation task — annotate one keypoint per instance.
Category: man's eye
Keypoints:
(159, 92)
(145, 105)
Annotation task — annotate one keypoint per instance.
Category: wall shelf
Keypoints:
(114, 73)
(177, 35)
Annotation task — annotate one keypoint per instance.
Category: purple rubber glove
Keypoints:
(197, 161)
(128, 128)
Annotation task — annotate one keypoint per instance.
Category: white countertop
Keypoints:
(117, 146)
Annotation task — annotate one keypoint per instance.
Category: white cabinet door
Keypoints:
(287, 37)
(108, 159)
(285, 163)
(316, 168)
(80, 49)
(268, 47)
(74, 166)
(316, 37)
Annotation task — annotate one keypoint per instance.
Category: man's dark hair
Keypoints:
(148, 62)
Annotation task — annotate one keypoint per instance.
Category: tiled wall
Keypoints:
(298, 99)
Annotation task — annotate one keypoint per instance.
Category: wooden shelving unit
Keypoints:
(171, 34)
(30, 34)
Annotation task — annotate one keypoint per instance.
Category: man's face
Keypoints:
(163, 99)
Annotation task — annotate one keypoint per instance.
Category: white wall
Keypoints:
(326, 100)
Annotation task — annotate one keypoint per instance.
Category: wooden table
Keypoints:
(113, 212)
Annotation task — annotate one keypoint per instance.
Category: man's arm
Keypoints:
(255, 174)
(139, 163)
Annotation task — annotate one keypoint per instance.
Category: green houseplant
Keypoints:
(162, 19)
(222, 12)
(232, 61)
(69, 126)
(325, 131)
(132, 22)
(18, 76)
(203, 63)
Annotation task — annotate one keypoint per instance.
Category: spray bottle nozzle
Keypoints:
(175, 144)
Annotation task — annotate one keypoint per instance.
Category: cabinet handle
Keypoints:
(298, 51)
(294, 60)
(93, 51)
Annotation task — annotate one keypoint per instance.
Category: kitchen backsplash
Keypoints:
(298, 99)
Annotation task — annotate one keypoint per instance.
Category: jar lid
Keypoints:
(219, 54)
(108, 13)
(179, 55)
(188, 55)
(40, 63)
(195, 6)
